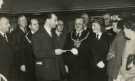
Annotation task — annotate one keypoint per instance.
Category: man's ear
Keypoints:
(29, 26)
(84, 25)
(47, 21)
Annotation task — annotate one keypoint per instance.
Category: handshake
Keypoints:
(74, 51)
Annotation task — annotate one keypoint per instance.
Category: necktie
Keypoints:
(97, 36)
(77, 35)
(5, 37)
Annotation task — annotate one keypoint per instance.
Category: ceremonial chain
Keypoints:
(78, 42)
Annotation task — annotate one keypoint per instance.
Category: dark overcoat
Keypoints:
(79, 65)
(99, 49)
(22, 54)
(6, 58)
(43, 47)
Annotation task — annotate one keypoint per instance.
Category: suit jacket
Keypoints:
(21, 53)
(59, 40)
(79, 65)
(99, 49)
(30, 65)
(6, 57)
(19, 44)
(111, 34)
(79, 61)
(43, 46)
(29, 50)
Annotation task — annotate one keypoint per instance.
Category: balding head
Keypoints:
(79, 24)
(85, 16)
(51, 21)
(4, 24)
(107, 16)
(22, 21)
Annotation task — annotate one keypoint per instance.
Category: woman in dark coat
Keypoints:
(99, 49)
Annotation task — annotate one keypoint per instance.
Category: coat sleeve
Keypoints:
(41, 48)
(67, 46)
(18, 46)
(111, 53)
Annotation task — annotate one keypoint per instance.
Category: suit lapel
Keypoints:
(46, 33)
(47, 36)
(3, 40)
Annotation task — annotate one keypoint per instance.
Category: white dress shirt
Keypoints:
(98, 35)
(48, 31)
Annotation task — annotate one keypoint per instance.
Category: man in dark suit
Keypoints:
(20, 44)
(44, 50)
(6, 53)
(34, 27)
(78, 64)
(30, 66)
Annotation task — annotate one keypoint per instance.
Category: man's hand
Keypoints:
(101, 64)
(58, 51)
(74, 51)
(23, 68)
(3, 78)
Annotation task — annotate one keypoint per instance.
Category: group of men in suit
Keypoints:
(6, 53)
(17, 59)
(45, 53)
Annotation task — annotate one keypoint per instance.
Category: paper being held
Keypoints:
(74, 51)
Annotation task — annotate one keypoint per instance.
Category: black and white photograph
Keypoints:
(67, 40)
